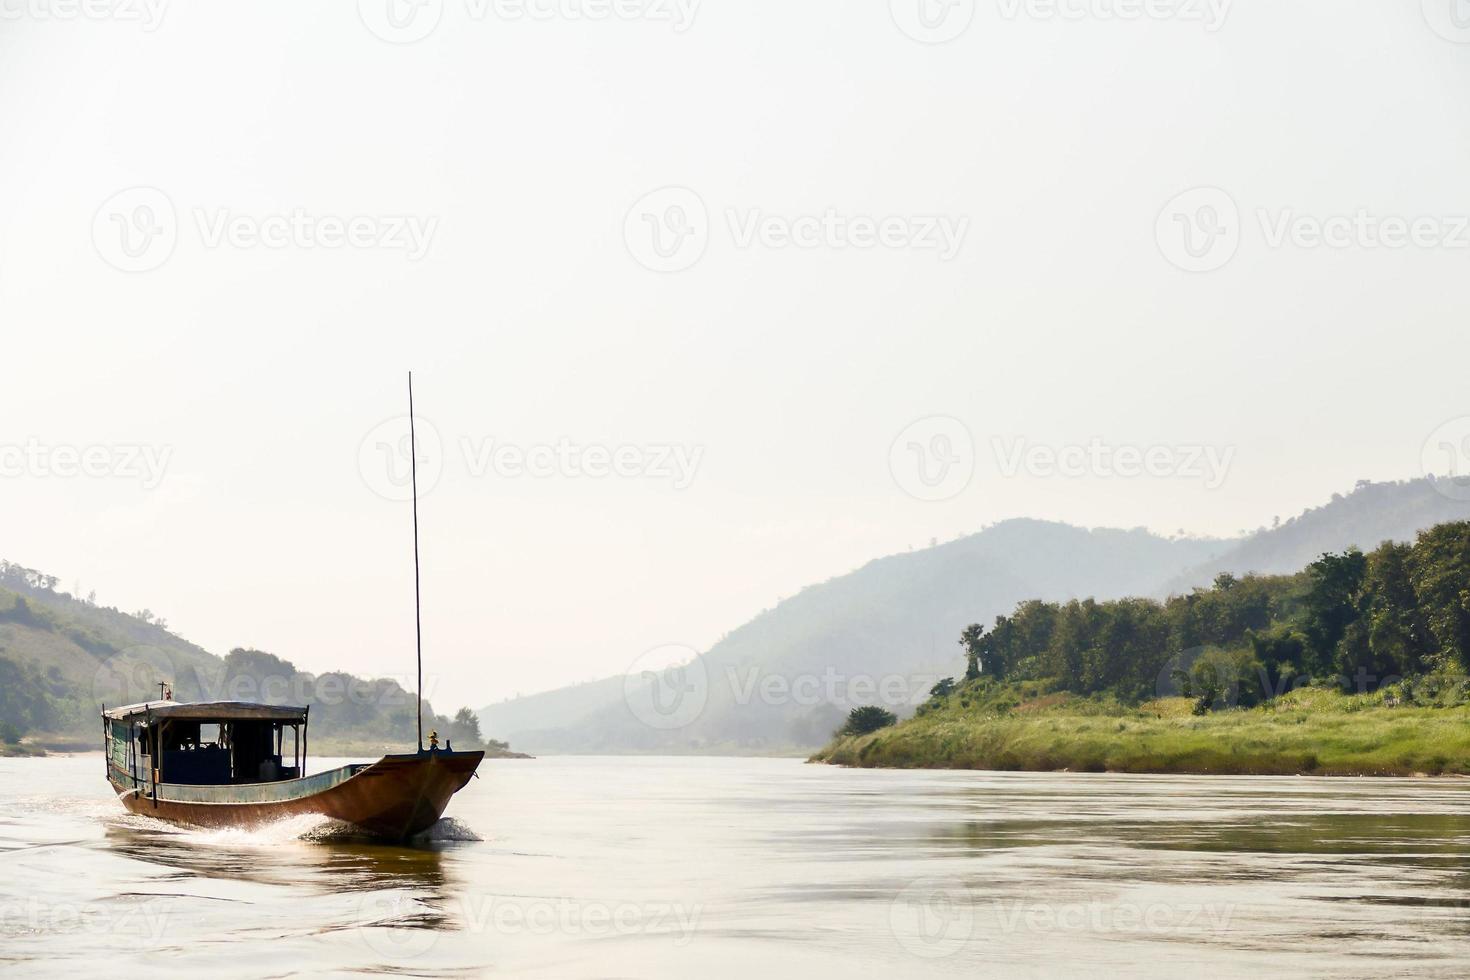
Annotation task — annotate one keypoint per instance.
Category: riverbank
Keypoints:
(322, 748)
(1307, 732)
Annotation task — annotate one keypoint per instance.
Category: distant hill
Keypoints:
(1371, 514)
(894, 621)
(904, 614)
(63, 657)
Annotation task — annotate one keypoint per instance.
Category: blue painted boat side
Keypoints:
(276, 792)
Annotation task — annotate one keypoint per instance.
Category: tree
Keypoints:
(464, 728)
(1439, 568)
(867, 719)
(1076, 628)
(1333, 594)
(973, 640)
(943, 689)
(1394, 639)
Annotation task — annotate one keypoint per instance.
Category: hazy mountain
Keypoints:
(782, 681)
(1371, 514)
(902, 615)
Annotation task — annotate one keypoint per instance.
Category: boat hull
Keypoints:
(394, 798)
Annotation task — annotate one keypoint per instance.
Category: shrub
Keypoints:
(943, 689)
(1226, 679)
(869, 718)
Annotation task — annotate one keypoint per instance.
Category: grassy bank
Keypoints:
(11, 750)
(1306, 732)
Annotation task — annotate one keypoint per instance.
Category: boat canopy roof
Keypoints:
(211, 711)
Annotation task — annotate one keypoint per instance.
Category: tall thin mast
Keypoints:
(418, 629)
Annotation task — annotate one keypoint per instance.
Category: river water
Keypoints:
(714, 868)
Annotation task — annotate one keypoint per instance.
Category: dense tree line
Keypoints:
(1358, 620)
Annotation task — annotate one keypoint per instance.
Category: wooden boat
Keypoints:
(222, 763)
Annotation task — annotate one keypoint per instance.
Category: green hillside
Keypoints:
(63, 657)
(1355, 665)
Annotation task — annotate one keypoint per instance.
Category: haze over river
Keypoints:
(641, 867)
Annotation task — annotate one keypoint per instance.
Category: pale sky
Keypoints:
(985, 229)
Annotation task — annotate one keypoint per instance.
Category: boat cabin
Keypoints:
(208, 743)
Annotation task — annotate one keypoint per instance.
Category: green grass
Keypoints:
(1306, 732)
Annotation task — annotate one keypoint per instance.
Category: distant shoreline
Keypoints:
(1308, 733)
(62, 748)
